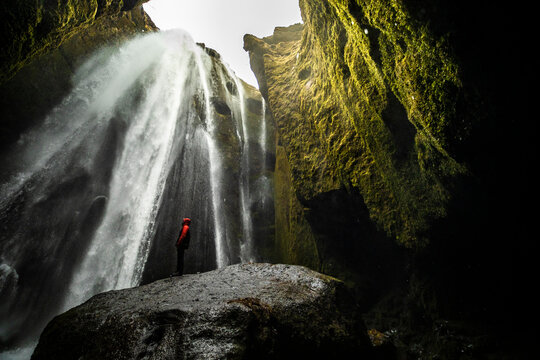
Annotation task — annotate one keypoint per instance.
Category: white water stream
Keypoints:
(120, 245)
(85, 189)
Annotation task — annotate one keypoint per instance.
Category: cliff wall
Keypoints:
(394, 123)
(29, 30)
(366, 98)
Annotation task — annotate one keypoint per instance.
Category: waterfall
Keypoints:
(120, 244)
(246, 247)
(92, 197)
(263, 135)
(215, 168)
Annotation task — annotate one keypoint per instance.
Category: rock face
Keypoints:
(250, 311)
(368, 135)
(355, 90)
(29, 30)
(393, 127)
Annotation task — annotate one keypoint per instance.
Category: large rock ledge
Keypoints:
(249, 311)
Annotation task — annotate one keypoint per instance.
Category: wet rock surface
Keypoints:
(249, 311)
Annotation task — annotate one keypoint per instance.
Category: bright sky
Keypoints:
(221, 24)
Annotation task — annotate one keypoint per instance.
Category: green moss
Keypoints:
(367, 99)
(295, 242)
(29, 30)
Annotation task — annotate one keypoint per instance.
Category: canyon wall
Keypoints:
(31, 29)
(394, 123)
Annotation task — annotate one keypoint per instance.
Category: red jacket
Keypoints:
(183, 238)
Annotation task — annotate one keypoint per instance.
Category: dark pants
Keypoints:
(180, 260)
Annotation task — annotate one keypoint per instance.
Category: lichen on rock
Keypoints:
(365, 98)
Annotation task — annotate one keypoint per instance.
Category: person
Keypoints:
(182, 243)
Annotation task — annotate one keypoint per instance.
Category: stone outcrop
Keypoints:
(250, 311)
(31, 29)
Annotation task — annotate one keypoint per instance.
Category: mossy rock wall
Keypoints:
(404, 122)
(365, 99)
(29, 29)
(368, 105)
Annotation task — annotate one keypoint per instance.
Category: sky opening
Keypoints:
(221, 24)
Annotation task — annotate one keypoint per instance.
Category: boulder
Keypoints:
(248, 311)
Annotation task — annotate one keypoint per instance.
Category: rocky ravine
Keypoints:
(249, 311)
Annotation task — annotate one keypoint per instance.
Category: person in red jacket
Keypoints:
(182, 244)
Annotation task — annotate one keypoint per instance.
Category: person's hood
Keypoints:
(187, 221)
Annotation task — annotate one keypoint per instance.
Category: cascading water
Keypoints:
(246, 248)
(120, 244)
(215, 166)
(262, 138)
(92, 198)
